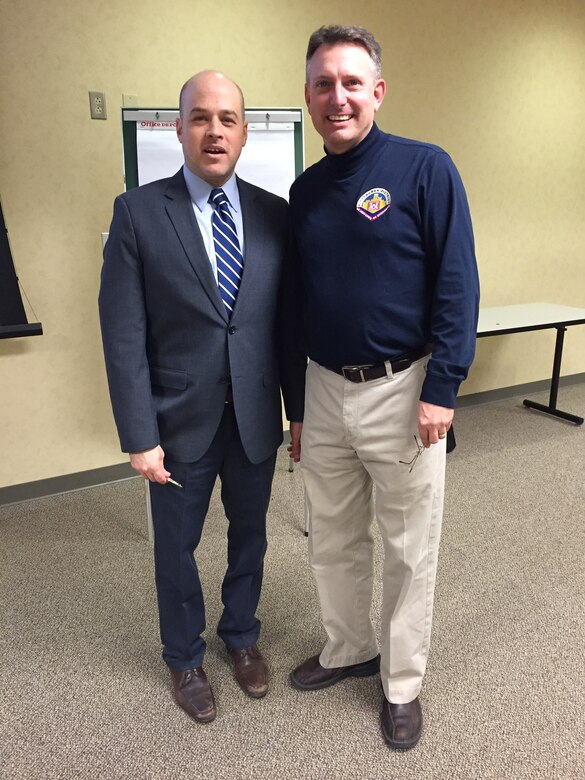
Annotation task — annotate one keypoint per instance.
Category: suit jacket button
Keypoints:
(231, 330)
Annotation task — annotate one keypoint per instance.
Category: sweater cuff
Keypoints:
(295, 412)
(439, 391)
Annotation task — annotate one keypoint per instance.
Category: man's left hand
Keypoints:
(433, 422)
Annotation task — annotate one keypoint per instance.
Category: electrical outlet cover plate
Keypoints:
(97, 105)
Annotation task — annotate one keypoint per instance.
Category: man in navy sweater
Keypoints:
(384, 263)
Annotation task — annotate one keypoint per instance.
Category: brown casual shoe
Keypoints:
(401, 724)
(311, 676)
(193, 693)
(250, 670)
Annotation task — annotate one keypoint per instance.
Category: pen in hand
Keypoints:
(174, 482)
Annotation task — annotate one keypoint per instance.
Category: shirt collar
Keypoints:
(199, 190)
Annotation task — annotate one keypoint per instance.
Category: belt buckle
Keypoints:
(359, 370)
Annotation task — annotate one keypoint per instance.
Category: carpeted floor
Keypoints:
(84, 693)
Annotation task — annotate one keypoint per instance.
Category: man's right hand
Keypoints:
(294, 448)
(150, 464)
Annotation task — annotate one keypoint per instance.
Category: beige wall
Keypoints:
(500, 85)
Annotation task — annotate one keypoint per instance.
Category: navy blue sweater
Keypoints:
(395, 274)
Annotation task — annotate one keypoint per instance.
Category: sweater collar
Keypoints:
(342, 165)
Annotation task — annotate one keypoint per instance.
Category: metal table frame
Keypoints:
(520, 318)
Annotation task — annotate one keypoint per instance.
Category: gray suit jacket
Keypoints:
(169, 348)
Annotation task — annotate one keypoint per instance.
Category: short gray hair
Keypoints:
(342, 33)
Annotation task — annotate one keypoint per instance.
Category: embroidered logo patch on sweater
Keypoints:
(374, 203)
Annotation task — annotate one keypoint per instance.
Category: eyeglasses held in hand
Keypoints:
(419, 451)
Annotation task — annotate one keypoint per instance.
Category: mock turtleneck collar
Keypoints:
(343, 165)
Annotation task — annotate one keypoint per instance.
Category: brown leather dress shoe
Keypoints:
(193, 693)
(401, 724)
(311, 676)
(250, 670)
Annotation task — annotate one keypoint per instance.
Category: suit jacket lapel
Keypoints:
(180, 211)
(253, 221)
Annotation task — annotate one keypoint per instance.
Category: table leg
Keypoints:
(554, 386)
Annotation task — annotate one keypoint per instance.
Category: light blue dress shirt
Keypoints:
(199, 190)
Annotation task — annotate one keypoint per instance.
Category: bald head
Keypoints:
(209, 80)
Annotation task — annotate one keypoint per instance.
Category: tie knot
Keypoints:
(216, 196)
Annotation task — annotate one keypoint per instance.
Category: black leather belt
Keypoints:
(368, 372)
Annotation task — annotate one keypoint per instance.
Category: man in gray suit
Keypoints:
(188, 307)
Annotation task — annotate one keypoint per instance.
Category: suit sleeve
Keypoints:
(123, 319)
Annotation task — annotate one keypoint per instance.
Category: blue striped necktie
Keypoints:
(230, 262)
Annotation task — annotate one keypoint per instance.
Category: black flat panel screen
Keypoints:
(13, 321)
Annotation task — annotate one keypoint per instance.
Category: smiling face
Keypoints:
(342, 94)
(211, 126)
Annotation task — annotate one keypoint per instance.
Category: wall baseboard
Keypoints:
(55, 485)
(86, 479)
(489, 396)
